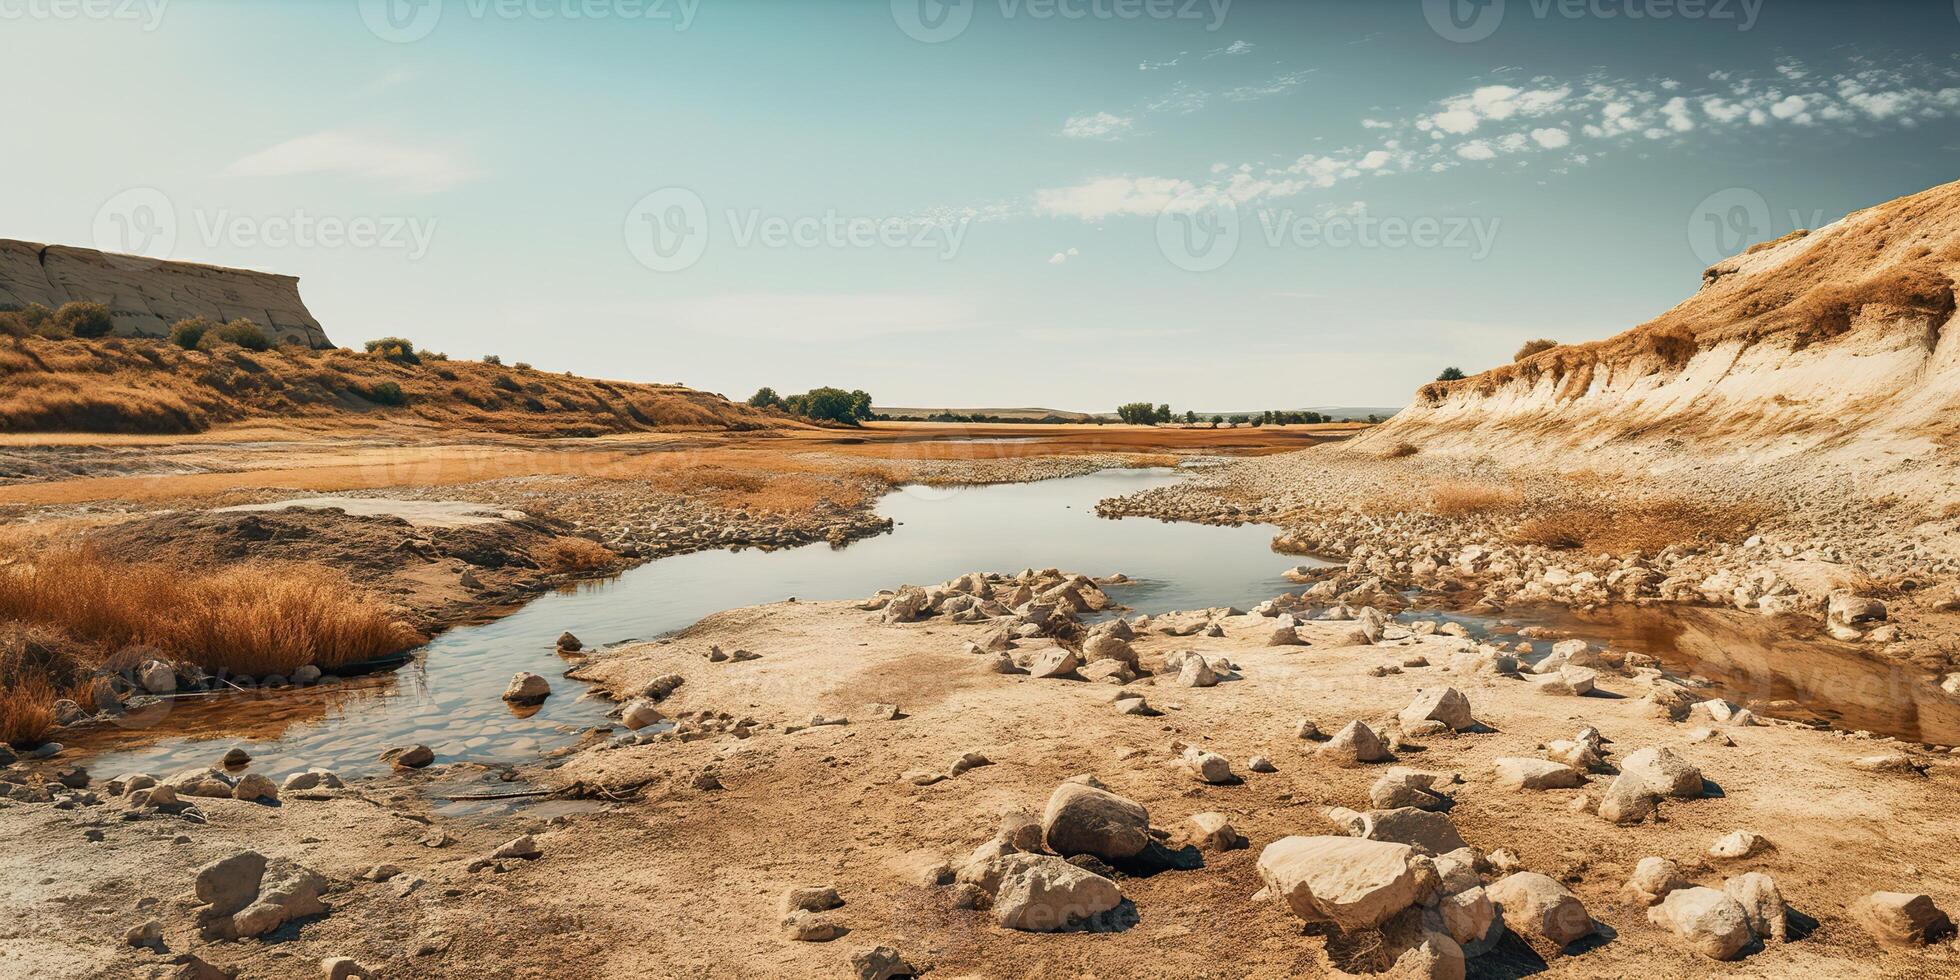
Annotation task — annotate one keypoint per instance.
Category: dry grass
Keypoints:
(251, 619)
(1400, 450)
(573, 554)
(1467, 499)
(124, 385)
(1649, 525)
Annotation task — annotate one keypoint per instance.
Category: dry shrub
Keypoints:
(1648, 525)
(1531, 347)
(252, 619)
(573, 554)
(26, 709)
(1400, 450)
(1466, 499)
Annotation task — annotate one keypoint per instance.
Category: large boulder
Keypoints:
(1053, 662)
(1349, 882)
(1663, 772)
(246, 895)
(1538, 908)
(1402, 786)
(1442, 704)
(1042, 893)
(1627, 800)
(1082, 819)
(1709, 921)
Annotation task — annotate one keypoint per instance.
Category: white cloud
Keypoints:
(414, 168)
(1100, 125)
(1476, 150)
(1790, 108)
(1458, 121)
(1061, 257)
(1107, 196)
(1551, 139)
(1236, 47)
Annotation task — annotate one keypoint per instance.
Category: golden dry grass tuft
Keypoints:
(1400, 450)
(1462, 498)
(253, 619)
(573, 554)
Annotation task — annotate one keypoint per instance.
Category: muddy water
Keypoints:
(1781, 670)
(449, 700)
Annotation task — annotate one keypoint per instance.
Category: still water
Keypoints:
(449, 699)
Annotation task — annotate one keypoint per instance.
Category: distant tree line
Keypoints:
(818, 404)
(1144, 413)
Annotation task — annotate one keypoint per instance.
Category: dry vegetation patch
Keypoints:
(1647, 525)
(70, 613)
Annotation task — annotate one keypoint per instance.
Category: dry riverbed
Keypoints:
(902, 751)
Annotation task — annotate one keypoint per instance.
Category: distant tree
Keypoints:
(830, 405)
(765, 397)
(493, 360)
(1163, 414)
(1533, 347)
(522, 365)
(1136, 413)
(1190, 418)
(1451, 374)
(87, 320)
(1218, 420)
(1240, 420)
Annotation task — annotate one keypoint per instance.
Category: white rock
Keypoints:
(1041, 893)
(1516, 773)
(1350, 882)
(1710, 922)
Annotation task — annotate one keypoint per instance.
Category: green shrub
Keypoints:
(765, 397)
(522, 365)
(245, 334)
(385, 393)
(1451, 374)
(493, 359)
(187, 332)
(401, 350)
(83, 319)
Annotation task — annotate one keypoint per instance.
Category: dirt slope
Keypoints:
(132, 385)
(1832, 341)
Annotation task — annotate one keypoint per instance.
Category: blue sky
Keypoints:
(730, 194)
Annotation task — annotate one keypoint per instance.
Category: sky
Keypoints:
(1219, 204)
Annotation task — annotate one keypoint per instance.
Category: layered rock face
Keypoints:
(147, 296)
(1833, 339)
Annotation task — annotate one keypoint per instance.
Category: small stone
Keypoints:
(880, 963)
(254, 788)
(235, 758)
(1516, 773)
(1652, 879)
(810, 898)
(640, 713)
(1440, 704)
(808, 927)
(1212, 832)
(343, 968)
(568, 643)
(523, 848)
(1712, 923)
(1356, 743)
(527, 688)
(1260, 763)
(411, 757)
(147, 935)
(1901, 918)
(1663, 772)
(1207, 767)
(1537, 907)
(1739, 844)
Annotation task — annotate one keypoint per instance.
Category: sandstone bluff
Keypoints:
(147, 296)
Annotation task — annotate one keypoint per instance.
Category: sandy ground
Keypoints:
(684, 882)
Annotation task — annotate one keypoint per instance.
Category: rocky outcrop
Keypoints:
(1834, 339)
(146, 296)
